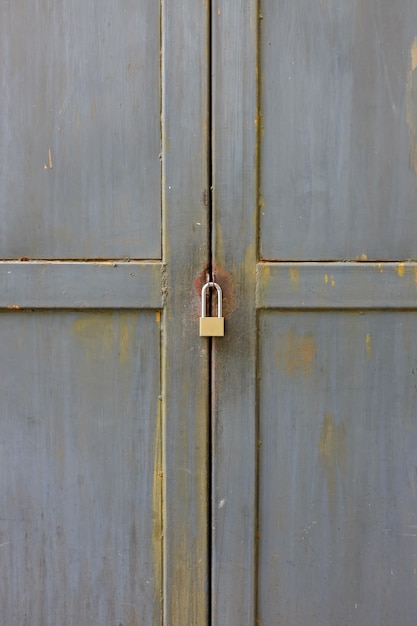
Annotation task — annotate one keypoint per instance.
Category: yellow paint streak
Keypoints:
(364, 257)
(414, 55)
(332, 451)
(157, 520)
(50, 159)
(326, 278)
(105, 335)
(295, 276)
(401, 269)
(368, 346)
(380, 267)
(295, 354)
(332, 281)
(411, 104)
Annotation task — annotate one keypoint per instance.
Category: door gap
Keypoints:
(211, 356)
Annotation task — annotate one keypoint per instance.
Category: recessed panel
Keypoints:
(80, 129)
(80, 474)
(337, 468)
(338, 175)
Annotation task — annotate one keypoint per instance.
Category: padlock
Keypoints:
(211, 326)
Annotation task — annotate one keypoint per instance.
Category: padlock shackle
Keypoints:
(219, 299)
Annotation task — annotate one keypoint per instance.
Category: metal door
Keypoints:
(314, 512)
(103, 110)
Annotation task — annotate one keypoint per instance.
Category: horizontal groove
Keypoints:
(343, 285)
(80, 285)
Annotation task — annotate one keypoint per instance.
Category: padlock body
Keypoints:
(211, 326)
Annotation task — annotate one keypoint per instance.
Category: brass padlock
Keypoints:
(211, 326)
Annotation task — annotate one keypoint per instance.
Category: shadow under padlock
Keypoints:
(211, 326)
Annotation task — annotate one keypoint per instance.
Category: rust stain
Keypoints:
(411, 104)
(296, 354)
(205, 198)
(224, 279)
(332, 451)
(158, 317)
(13, 307)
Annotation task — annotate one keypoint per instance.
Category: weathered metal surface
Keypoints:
(69, 285)
(234, 47)
(185, 161)
(80, 464)
(335, 400)
(337, 468)
(80, 129)
(339, 130)
(336, 285)
(105, 417)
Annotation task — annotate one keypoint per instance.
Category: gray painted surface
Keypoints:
(336, 285)
(338, 150)
(314, 406)
(337, 468)
(69, 285)
(185, 365)
(104, 380)
(234, 366)
(80, 129)
(79, 489)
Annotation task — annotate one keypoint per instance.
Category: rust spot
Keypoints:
(224, 279)
(296, 354)
(229, 296)
(13, 307)
(205, 198)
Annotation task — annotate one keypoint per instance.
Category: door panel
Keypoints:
(80, 115)
(338, 160)
(81, 461)
(337, 470)
(314, 403)
(104, 158)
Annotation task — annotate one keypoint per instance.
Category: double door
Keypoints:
(152, 476)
